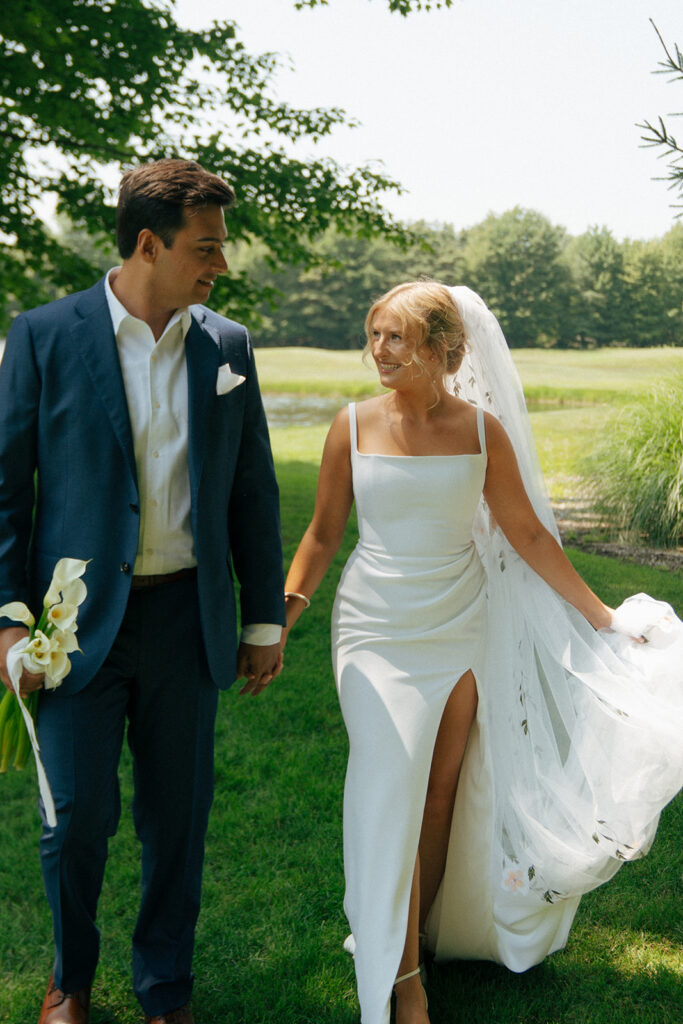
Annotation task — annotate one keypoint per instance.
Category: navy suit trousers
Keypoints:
(156, 682)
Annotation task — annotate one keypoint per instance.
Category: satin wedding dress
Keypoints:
(576, 745)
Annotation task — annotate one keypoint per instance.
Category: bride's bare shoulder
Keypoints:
(459, 409)
(370, 408)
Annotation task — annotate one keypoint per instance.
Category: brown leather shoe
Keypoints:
(65, 1007)
(180, 1016)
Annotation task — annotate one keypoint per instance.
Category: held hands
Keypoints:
(29, 681)
(259, 665)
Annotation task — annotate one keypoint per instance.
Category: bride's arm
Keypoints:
(506, 497)
(325, 532)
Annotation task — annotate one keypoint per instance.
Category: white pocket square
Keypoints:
(227, 380)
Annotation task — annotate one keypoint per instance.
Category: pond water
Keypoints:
(301, 410)
(285, 410)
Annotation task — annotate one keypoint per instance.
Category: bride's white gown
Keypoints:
(575, 749)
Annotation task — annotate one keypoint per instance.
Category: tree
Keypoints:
(659, 134)
(600, 308)
(547, 288)
(89, 87)
(672, 252)
(514, 261)
(325, 305)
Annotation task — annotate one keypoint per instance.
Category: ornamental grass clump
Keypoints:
(636, 469)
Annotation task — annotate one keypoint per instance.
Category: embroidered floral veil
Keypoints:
(584, 728)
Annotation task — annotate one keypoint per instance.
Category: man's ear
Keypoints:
(148, 245)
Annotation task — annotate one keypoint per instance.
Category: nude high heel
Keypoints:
(404, 977)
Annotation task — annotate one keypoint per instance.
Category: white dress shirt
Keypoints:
(155, 381)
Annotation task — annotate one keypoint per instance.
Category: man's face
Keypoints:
(185, 273)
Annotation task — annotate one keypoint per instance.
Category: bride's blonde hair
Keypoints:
(428, 309)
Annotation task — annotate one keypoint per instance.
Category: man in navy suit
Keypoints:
(140, 411)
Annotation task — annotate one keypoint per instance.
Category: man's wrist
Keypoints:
(261, 634)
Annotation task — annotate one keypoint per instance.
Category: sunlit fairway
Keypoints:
(560, 374)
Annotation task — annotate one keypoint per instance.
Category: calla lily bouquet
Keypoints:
(46, 649)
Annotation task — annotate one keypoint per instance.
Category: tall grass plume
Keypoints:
(636, 469)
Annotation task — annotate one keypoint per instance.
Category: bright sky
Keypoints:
(488, 105)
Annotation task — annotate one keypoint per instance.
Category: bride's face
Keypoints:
(393, 349)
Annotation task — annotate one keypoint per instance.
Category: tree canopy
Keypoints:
(403, 7)
(90, 87)
(546, 287)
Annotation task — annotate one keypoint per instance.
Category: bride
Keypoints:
(512, 739)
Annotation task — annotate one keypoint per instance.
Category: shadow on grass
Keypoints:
(560, 991)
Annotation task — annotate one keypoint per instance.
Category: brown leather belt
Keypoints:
(143, 582)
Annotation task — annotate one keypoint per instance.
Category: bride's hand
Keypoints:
(640, 617)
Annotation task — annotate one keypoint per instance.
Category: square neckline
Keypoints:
(353, 430)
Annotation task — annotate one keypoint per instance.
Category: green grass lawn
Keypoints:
(270, 933)
(606, 374)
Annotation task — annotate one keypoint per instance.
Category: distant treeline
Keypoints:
(547, 288)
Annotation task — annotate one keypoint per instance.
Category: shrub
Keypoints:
(636, 469)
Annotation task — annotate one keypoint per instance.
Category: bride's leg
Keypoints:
(447, 758)
(411, 1005)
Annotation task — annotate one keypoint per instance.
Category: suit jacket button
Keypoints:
(125, 567)
(134, 508)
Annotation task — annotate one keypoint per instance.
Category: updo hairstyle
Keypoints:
(426, 309)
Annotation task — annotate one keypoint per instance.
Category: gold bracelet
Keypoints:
(293, 593)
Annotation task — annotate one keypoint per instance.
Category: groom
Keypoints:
(139, 409)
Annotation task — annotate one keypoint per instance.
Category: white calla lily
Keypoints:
(17, 610)
(68, 569)
(66, 640)
(65, 572)
(37, 652)
(75, 593)
(63, 615)
(58, 667)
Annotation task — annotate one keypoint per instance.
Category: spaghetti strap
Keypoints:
(353, 428)
(481, 430)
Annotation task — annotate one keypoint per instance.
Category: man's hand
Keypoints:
(29, 681)
(258, 665)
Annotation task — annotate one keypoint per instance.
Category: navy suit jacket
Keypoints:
(63, 412)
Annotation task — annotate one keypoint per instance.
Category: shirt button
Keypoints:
(154, 503)
(125, 567)
(155, 454)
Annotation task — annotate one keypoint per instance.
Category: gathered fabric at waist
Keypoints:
(413, 595)
(449, 563)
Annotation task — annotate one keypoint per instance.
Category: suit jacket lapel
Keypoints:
(202, 355)
(94, 336)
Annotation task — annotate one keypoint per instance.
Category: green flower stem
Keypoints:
(6, 708)
(23, 744)
(9, 742)
(14, 738)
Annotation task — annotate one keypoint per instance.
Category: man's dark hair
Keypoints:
(155, 196)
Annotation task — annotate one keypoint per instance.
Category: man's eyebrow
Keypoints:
(212, 238)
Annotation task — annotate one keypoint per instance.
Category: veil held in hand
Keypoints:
(584, 728)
